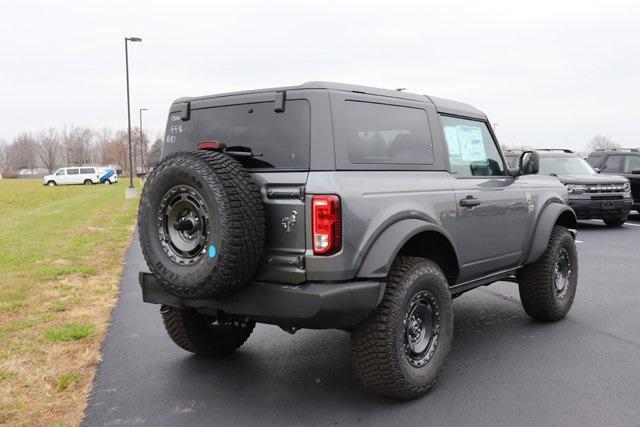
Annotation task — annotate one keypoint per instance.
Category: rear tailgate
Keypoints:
(283, 195)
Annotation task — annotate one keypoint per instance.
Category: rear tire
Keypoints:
(400, 350)
(548, 286)
(615, 222)
(198, 334)
(88, 182)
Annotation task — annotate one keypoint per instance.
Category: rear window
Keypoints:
(277, 140)
(388, 134)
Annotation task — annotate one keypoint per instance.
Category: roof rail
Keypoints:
(626, 150)
(565, 150)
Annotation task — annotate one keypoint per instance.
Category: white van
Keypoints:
(81, 175)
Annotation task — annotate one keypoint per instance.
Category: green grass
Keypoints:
(70, 332)
(61, 256)
(67, 380)
(5, 375)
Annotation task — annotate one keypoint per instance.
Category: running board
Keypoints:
(507, 276)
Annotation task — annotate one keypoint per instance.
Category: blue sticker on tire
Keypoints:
(212, 251)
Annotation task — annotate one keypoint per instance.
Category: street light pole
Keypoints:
(126, 58)
(142, 140)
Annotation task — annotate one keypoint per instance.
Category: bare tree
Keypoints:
(101, 148)
(49, 148)
(601, 142)
(3, 155)
(23, 153)
(153, 156)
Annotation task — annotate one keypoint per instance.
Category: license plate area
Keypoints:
(608, 204)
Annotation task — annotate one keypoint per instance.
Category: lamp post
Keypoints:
(142, 140)
(131, 190)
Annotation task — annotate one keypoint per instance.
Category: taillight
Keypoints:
(326, 224)
(212, 145)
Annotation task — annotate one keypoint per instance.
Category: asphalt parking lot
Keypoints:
(505, 369)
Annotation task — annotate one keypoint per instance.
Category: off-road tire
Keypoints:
(378, 342)
(192, 332)
(538, 292)
(614, 222)
(236, 227)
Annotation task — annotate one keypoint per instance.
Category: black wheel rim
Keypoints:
(562, 273)
(183, 224)
(421, 328)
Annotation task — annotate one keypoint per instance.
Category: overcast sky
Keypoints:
(550, 74)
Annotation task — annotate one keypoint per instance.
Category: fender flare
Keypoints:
(378, 259)
(542, 232)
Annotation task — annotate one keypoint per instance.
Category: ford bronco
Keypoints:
(329, 205)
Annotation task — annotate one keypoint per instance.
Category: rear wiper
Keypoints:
(240, 151)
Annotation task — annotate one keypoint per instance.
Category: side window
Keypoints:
(613, 164)
(472, 150)
(87, 170)
(72, 171)
(60, 172)
(387, 134)
(594, 160)
(631, 163)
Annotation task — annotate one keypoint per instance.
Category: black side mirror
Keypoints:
(529, 163)
(636, 172)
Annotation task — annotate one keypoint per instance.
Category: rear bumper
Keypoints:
(587, 208)
(309, 305)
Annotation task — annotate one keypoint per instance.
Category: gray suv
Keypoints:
(592, 196)
(328, 205)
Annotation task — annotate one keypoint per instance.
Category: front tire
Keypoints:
(51, 183)
(614, 222)
(204, 335)
(548, 286)
(400, 350)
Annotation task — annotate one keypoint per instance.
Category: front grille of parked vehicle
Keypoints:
(605, 188)
(618, 197)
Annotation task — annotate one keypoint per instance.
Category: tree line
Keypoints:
(598, 142)
(52, 148)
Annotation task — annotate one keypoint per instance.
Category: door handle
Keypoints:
(469, 201)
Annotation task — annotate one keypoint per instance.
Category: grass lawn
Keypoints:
(61, 256)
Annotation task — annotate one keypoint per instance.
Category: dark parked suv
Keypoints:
(592, 196)
(625, 162)
(327, 205)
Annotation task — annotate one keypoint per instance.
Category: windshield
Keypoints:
(565, 165)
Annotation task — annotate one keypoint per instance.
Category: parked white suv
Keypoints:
(81, 175)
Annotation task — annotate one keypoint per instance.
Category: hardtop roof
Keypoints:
(442, 105)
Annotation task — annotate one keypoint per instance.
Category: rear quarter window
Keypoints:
(387, 134)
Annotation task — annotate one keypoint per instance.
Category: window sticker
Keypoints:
(465, 143)
(471, 143)
(451, 134)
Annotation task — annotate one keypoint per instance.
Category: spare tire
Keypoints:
(201, 224)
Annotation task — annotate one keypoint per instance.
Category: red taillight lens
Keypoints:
(327, 224)
(210, 145)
